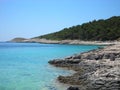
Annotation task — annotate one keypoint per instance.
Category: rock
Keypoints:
(90, 57)
(75, 61)
(110, 75)
(118, 55)
(64, 62)
(95, 70)
(73, 88)
(112, 85)
(70, 57)
(106, 56)
(76, 57)
(82, 77)
(94, 57)
(100, 82)
(97, 84)
(112, 57)
(60, 78)
(98, 57)
(56, 61)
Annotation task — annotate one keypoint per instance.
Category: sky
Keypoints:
(31, 18)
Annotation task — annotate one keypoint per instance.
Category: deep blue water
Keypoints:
(24, 66)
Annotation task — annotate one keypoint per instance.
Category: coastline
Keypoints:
(95, 69)
(79, 42)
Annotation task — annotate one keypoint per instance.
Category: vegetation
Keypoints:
(101, 30)
(18, 39)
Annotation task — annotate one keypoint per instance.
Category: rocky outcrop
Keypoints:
(95, 70)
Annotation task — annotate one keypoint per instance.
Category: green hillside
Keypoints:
(101, 30)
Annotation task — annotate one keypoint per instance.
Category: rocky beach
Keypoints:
(95, 70)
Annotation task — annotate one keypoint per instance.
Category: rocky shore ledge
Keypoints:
(95, 70)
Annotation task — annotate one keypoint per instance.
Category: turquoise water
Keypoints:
(24, 66)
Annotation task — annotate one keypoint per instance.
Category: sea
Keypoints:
(24, 66)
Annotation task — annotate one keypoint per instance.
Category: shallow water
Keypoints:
(24, 66)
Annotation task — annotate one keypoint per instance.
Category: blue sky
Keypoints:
(30, 18)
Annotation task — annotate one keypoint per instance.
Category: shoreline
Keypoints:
(78, 42)
(95, 69)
